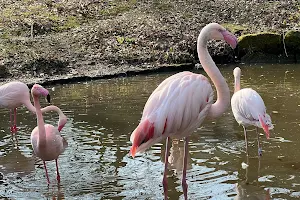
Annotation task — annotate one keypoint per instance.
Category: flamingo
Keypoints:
(13, 95)
(46, 140)
(249, 110)
(181, 102)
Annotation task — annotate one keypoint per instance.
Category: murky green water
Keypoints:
(102, 115)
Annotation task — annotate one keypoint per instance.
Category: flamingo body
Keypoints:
(175, 108)
(54, 146)
(249, 109)
(14, 94)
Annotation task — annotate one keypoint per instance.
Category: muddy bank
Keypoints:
(47, 41)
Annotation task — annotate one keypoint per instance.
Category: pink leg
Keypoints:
(11, 121)
(165, 181)
(183, 181)
(48, 181)
(15, 120)
(57, 173)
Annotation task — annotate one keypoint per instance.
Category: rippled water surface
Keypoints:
(102, 114)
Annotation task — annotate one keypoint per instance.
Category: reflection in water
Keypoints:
(249, 188)
(16, 162)
(103, 113)
(175, 158)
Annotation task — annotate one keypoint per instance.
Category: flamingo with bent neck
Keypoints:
(46, 140)
(178, 106)
(249, 110)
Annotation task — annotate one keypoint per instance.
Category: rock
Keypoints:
(268, 43)
(292, 44)
(3, 71)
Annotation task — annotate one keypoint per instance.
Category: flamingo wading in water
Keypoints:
(46, 140)
(249, 109)
(13, 95)
(178, 106)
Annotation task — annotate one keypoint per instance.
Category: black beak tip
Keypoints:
(48, 98)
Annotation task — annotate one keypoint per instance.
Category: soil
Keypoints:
(61, 41)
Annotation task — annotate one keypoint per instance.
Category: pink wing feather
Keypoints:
(175, 108)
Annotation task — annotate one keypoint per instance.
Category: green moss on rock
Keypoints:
(260, 42)
(292, 41)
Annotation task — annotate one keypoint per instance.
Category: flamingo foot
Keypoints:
(58, 178)
(13, 129)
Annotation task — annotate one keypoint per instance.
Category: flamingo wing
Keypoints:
(175, 108)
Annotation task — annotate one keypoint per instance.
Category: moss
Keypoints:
(261, 42)
(234, 28)
(116, 8)
(292, 41)
(126, 40)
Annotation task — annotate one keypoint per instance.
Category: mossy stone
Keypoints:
(292, 41)
(261, 42)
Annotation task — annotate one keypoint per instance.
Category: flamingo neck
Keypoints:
(209, 66)
(29, 106)
(237, 84)
(40, 122)
(52, 108)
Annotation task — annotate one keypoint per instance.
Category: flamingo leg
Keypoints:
(165, 180)
(183, 181)
(57, 172)
(45, 167)
(258, 144)
(15, 120)
(246, 140)
(11, 121)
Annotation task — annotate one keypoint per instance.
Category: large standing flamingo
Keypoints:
(13, 95)
(46, 141)
(249, 109)
(181, 102)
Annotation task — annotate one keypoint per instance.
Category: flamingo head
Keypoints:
(38, 90)
(142, 137)
(218, 32)
(62, 122)
(237, 72)
(266, 124)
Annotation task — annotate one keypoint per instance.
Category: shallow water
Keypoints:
(102, 115)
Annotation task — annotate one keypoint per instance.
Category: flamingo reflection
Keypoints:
(249, 188)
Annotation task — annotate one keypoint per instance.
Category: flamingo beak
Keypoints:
(59, 128)
(133, 150)
(48, 98)
(230, 38)
(265, 127)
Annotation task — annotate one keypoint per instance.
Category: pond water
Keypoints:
(102, 114)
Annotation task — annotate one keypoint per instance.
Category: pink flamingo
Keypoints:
(181, 102)
(13, 95)
(46, 141)
(249, 109)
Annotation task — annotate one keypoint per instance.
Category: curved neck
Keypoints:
(237, 84)
(52, 108)
(223, 94)
(40, 122)
(29, 106)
